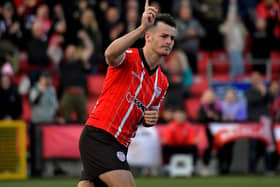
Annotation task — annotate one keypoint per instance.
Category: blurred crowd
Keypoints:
(48, 48)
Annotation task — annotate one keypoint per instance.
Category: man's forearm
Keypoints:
(115, 50)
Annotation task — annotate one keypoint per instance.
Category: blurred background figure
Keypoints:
(44, 107)
(166, 115)
(233, 110)
(261, 45)
(180, 78)
(10, 99)
(189, 34)
(42, 16)
(112, 26)
(274, 106)
(258, 99)
(37, 47)
(73, 71)
(210, 15)
(9, 24)
(90, 26)
(209, 111)
(179, 137)
(43, 100)
(235, 37)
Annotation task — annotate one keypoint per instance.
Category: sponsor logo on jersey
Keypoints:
(130, 98)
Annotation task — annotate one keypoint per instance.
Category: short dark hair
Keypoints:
(165, 18)
(45, 73)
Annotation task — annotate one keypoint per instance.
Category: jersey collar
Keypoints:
(150, 71)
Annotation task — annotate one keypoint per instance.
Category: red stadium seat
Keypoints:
(275, 67)
(95, 84)
(202, 67)
(219, 57)
(17, 78)
(221, 78)
(26, 110)
(248, 67)
(202, 64)
(275, 76)
(192, 107)
(221, 68)
(200, 84)
(275, 57)
(55, 80)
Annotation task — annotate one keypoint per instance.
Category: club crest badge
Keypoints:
(121, 156)
(158, 91)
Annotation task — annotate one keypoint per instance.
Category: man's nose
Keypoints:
(168, 40)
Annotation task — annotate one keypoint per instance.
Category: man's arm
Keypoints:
(114, 54)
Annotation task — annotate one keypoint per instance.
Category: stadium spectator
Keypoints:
(38, 45)
(112, 26)
(275, 104)
(210, 15)
(258, 99)
(37, 51)
(90, 26)
(179, 137)
(43, 99)
(10, 99)
(58, 13)
(166, 115)
(42, 16)
(261, 45)
(157, 5)
(189, 33)
(55, 46)
(269, 11)
(232, 110)
(73, 71)
(131, 21)
(9, 24)
(179, 76)
(10, 36)
(235, 37)
(44, 110)
(9, 53)
(209, 111)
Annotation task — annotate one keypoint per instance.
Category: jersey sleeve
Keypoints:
(126, 58)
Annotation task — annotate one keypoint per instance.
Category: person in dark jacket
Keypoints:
(209, 111)
(258, 99)
(10, 99)
(73, 71)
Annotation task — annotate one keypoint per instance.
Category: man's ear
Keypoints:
(148, 36)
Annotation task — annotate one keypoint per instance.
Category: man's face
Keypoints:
(179, 116)
(256, 79)
(45, 81)
(161, 38)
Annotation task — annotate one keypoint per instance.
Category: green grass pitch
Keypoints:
(229, 181)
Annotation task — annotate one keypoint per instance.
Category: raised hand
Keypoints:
(149, 15)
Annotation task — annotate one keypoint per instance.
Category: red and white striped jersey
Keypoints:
(129, 89)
